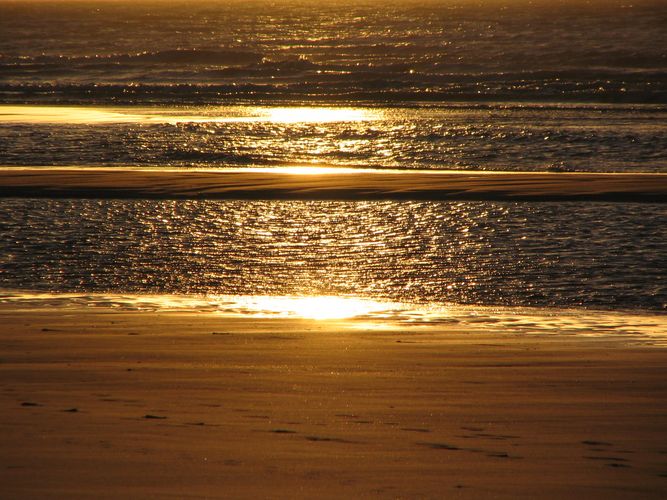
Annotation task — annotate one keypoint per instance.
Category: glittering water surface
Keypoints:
(465, 84)
(345, 50)
(490, 137)
(520, 254)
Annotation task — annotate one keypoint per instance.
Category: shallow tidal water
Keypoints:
(593, 255)
(500, 136)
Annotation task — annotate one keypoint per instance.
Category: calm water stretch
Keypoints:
(436, 85)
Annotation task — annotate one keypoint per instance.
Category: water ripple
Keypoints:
(519, 254)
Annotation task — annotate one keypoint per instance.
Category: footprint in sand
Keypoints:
(439, 446)
(451, 447)
(603, 446)
(494, 437)
(330, 440)
(609, 459)
(596, 443)
(612, 461)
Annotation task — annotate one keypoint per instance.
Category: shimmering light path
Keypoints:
(364, 313)
(593, 255)
(499, 137)
(362, 185)
(172, 115)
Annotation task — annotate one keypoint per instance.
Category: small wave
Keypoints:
(394, 92)
(172, 56)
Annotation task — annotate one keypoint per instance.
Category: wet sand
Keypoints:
(58, 182)
(95, 402)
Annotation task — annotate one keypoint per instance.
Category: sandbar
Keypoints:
(331, 184)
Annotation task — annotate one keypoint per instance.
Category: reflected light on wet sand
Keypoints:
(312, 170)
(319, 307)
(369, 314)
(315, 307)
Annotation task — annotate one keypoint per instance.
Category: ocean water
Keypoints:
(463, 84)
(394, 51)
(515, 137)
(467, 85)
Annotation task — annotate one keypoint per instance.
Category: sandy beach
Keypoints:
(111, 404)
(333, 184)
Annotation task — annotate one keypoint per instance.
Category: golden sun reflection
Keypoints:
(224, 114)
(66, 114)
(315, 114)
(313, 307)
(300, 170)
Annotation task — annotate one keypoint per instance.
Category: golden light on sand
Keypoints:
(299, 170)
(313, 307)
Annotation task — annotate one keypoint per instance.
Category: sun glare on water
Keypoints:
(66, 114)
(272, 114)
(315, 114)
(224, 114)
(315, 307)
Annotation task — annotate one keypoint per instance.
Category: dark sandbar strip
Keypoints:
(130, 183)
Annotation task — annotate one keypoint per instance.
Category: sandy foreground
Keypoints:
(102, 403)
(328, 184)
